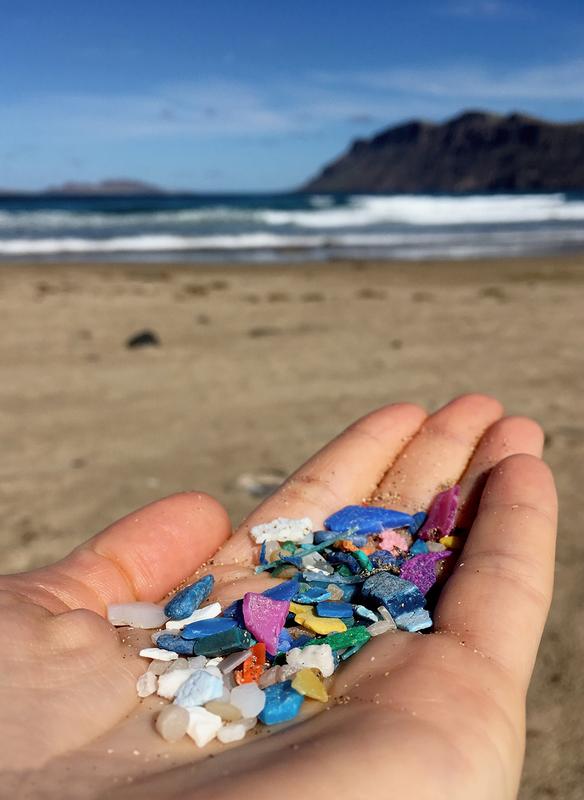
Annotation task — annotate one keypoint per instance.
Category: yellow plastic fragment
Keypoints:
(451, 542)
(305, 616)
(306, 682)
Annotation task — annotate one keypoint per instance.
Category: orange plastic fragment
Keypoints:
(253, 667)
(367, 550)
(345, 544)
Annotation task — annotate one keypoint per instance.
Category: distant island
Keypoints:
(112, 187)
(473, 152)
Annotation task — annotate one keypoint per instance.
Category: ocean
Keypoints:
(278, 227)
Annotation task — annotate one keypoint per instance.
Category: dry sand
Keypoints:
(257, 367)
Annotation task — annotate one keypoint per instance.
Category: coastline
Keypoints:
(258, 365)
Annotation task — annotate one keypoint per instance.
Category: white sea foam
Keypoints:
(323, 214)
(400, 244)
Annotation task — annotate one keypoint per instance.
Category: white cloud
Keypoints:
(309, 105)
(552, 82)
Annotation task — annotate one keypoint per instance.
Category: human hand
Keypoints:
(434, 715)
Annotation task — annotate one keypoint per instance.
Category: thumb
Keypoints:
(142, 556)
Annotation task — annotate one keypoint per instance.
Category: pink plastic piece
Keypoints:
(264, 618)
(441, 516)
(394, 542)
(421, 569)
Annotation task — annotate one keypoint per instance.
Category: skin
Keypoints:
(438, 715)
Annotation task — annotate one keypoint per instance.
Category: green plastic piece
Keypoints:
(363, 560)
(352, 650)
(344, 571)
(290, 547)
(356, 635)
(221, 644)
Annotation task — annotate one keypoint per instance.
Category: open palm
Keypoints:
(431, 715)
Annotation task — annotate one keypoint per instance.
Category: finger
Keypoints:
(498, 596)
(141, 557)
(439, 453)
(345, 471)
(506, 437)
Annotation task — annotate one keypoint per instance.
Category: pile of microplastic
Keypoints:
(223, 670)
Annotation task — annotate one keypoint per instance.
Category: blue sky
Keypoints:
(257, 95)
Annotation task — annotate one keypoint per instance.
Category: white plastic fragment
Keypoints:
(382, 626)
(172, 723)
(136, 615)
(282, 530)
(384, 614)
(224, 709)
(272, 551)
(180, 663)
(159, 667)
(203, 726)
(200, 687)
(146, 684)
(196, 662)
(214, 662)
(170, 682)
(314, 562)
(335, 592)
(249, 699)
(233, 661)
(158, 654)
(287, 671)
(318, 656)
(269, 677)
(208, 612)
(234, 731)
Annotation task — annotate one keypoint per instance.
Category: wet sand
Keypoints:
(258, 366)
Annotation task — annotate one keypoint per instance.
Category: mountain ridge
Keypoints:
(474, 151)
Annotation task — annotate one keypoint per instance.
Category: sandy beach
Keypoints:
(256, 367)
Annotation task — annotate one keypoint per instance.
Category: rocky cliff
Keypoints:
(473, 152)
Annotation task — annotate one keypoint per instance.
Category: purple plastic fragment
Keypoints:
(264, 618)
(421, 569)
(441, 515)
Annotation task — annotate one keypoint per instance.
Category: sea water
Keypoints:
(254, 227)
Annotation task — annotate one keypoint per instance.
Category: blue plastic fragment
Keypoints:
(347, 589)
(282, 703)
(335, 609)
(283, 591)
(358, 539)
(418, 521)
(366, 613)
(414, 621)
(419, 547)
(337, 557)
(382, 557)
(300, 641)
(235, 611)
(312, 594)
(207, 627)
(263, 559)
(189, 599)
(396, 594)
(367, 519)
(311, 577)
(304, 551)
(295, 561)
(285, 641)
(169, 641)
